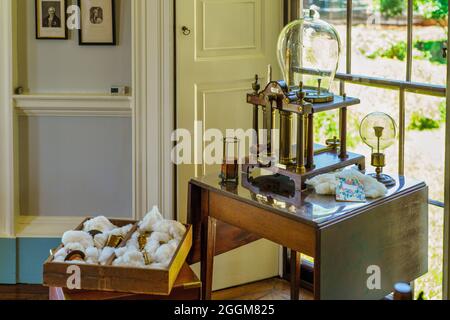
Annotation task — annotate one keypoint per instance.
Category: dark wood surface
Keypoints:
(298, 227)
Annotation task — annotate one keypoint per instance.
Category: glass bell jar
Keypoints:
(309, 50)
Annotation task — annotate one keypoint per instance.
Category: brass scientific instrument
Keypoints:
(379, 131)
(308, 54)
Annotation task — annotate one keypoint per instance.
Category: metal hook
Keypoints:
(186, 30)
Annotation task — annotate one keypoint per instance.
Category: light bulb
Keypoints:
(379, 131)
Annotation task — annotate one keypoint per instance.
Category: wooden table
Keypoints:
(186, 287)
(346, 240)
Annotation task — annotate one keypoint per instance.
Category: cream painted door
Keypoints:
(226, 42)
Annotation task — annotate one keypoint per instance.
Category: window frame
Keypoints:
(292, 11)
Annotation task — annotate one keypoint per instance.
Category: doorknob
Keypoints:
(186, 30)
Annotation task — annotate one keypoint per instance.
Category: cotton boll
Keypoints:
(92, 255)
(151, 247)
(150, 219)
(105, 255)
(59, 259)
(121, 231)
(162, 226)
(133, 242)
(131, 258)
(164, 253)
(174, 243)
(80, 237)
(75, 247)
(177, 230)
(158, 266)
(324, 184)
(161, 237)
(99, 223)
(76, 262)
(120, 251)
(61, 253)
(100, 240)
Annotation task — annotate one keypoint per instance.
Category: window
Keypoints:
(394, 61)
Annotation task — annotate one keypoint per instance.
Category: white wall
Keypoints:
(75, 166)
(61, 66)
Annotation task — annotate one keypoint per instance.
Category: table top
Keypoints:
(313, 209)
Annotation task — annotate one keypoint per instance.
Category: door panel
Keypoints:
(229, 42)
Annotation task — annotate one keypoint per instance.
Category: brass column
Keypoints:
(300, 144)
(343, 132)
(286, 123)
(310, 143)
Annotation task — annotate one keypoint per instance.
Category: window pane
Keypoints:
(431, 283)
(379, 37)
(386, 101)
(430, 36)
(425, 141)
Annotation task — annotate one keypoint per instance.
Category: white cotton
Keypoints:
(158, 266)
(133, 242)
(105, 255)
(326, 184)
(160, 237)
(74, 246)
(120, 251)
(99, 223)
(59, 259)
(150, 219)
(131, 258)
(121, 231)
(151, 247)
(61, 253)
(164, 253)
(177, 230)
(76, 262)
(100, 240)
(174, 243)
(92, 255)
(162, 226)
(81, 237)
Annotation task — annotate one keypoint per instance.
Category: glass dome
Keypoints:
(308, 52)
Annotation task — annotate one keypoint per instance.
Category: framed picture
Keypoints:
(51, 19)
(98, 25)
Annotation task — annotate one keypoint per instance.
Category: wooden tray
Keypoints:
(121, 279)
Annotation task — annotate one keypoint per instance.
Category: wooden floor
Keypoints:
(272, 289)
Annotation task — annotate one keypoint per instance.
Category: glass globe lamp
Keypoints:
(308, 53)
(379, 131)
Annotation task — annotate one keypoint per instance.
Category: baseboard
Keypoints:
(21, 259)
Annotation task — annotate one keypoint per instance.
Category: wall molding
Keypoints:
(153, 105)
(73, 105)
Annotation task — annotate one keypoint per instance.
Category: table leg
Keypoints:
(207, 258)
(295, 274)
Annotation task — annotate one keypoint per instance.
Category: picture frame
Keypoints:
(97, 22)
(50, 16)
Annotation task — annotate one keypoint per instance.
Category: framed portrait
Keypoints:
(98, 25)
(51, 19)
